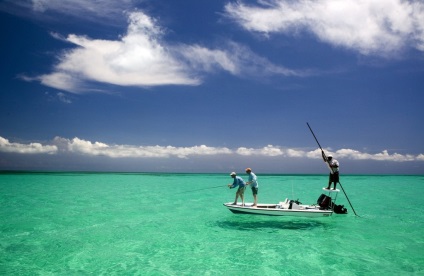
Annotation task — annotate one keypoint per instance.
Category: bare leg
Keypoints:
(235, 200)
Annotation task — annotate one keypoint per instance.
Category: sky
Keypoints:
(212, 86)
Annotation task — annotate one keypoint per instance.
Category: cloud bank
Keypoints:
(31, 148)
(87, 148)
(371, 27)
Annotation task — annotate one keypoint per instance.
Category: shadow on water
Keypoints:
(284, 224)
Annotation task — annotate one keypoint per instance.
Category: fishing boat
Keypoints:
(325, 207)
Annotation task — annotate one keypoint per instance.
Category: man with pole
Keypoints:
(331, 168)
(333, 164)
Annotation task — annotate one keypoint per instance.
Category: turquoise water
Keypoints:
(175, 224)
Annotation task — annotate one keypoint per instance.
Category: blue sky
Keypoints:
(212, 86)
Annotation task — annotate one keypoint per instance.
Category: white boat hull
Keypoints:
(278, 210)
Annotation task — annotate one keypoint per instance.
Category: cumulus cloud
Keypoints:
(142, 58)
(368, 26)
(137, 59)
(88, 148)
(31, 148)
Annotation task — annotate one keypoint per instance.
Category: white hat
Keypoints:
(330, 156)
(233, 173)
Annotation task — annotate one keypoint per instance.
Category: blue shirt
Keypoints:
(238, 181)
(254, 180)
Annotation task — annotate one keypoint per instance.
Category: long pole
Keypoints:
(348, 199)
(330, 168)
(323, 154)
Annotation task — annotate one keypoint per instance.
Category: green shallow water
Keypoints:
(175, 224)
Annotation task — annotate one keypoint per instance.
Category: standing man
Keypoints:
(334, 166)
(238, 181)
(253, 181)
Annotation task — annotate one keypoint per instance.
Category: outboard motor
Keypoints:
(324, 201)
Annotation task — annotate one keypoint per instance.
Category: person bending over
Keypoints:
(238, 182)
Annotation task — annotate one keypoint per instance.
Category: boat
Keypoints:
(325, 207)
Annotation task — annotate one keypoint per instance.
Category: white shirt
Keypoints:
(334, 164)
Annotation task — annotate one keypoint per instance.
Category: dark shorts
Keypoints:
(255, 190)
(334, 177)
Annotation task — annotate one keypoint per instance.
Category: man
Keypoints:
(334, 166)
(253, 181)
(238, 181)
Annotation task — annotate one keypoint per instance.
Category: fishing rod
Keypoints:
(328, 163)
(220, 186)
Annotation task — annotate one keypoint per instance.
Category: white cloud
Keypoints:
(138, 59)
(357, 155)
(88, 148)
(235, 59)
(295, 153)
(32, 148)
(367, 26)
(382, 156)
(81, 9)
(59, 80)
(269, 150)
(100, 8)
(142, 58)
(84, 147)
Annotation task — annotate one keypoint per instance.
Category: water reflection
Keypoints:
(271, 224)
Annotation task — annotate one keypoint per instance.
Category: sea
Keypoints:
(73, 223)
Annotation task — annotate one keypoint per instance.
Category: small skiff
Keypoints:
(324, 207)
